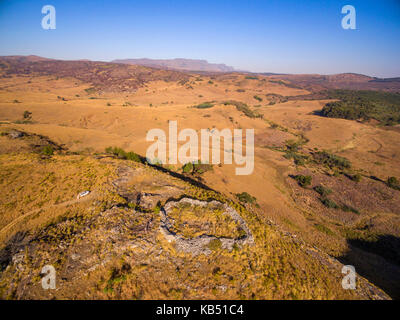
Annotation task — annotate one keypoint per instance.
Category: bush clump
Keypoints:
(204, 105)
(244, 197)
(196, 167)
(303, 181)
(355, 177)
(27, 115)
(48, 150)
(323, 191)
(187, 167)
(331, 160)
(244, 108)
(393, 183)
(348, 208)
(122, 154)
(329, 203)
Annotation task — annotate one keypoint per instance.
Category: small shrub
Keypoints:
(303, 181)
(244, 108)
(204, 105)
(244, 197)
(323, 191)
(393, 183)
(187, 168)
(132, 156)
(329, 203)
(122, 154)
(27, 114)
(299, 159)
(348, 208)
(48, 150)
(157, 208)
(258, 98)
(330, 160)
(355, 177)
(201, 168)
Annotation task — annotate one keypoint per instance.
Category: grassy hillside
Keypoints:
(110, 242)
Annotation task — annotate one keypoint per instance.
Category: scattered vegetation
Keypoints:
(27, 115)
(393, 183)
(323, 191)
(333, 205)
(48, 150)
(331, 161)
(122, 154)
(196, 168)
(303, 181)
(244, 197)
(292, 151)
(348, 208)
(244, 108)
(329, 203)
(355, 177)
(204, 105)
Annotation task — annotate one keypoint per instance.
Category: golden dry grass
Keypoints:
(86, 125)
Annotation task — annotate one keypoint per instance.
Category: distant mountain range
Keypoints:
(129, 74)
(179, 64)
(353, 81)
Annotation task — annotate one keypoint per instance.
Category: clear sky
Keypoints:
(289, 36)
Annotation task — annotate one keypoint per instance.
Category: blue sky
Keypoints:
(289, 36)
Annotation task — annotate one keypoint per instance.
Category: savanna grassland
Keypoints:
(324, 191)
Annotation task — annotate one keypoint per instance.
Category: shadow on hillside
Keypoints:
(183, 177)
(14, 245)
(317, 113)
(378, 261)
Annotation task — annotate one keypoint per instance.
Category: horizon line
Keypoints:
(215, 63)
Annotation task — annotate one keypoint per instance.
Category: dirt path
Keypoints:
(59, 205)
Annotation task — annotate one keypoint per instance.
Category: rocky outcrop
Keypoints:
(200, 244)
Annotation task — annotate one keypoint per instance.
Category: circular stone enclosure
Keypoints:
(199, 226)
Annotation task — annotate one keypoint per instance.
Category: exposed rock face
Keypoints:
(200, 244)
